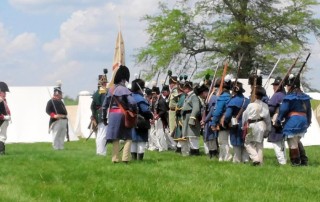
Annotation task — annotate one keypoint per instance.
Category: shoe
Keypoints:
(256, 163)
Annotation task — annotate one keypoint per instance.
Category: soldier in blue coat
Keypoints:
(140, 134)
(210, 136)
(275, 136)
(295, 111)
(233, 116)
(113, 116)
(218, 122)
(5, 116)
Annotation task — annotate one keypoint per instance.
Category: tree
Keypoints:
(199, 34)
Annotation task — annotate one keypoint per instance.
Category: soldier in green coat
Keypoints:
(190, 122)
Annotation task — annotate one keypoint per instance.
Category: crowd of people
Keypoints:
(178, 115)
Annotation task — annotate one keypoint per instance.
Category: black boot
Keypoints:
(191, 152)
(215, 153)
(294, 157)
(210, 154)
(2, 148)
(134, 155)
(140, 156)
(197, 152)
(303, 155)
(178, 150)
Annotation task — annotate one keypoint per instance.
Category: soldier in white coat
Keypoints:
(256, 123)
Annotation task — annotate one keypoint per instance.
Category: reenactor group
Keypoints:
(233, 127)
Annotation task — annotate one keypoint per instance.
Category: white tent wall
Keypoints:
(83, 115)
(312, 137)
(30, 122)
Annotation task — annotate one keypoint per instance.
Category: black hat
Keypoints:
(57, 89)
(137, 84)
(237, 87)
(200, 89)
(122, 73)
(173, 79)
(165, 88)
(252, 77)
(155, 90)
(260, 91)
(293, 81)
(148, 91)
(277, 81)
(3, 87)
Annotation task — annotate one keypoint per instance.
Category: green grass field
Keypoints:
(34, 172)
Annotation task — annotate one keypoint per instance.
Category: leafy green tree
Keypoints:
(198, 34)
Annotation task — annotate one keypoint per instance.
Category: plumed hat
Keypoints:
(173, 80)
(3, 87)
(102, 79)
(293, 81)
(122, 73)
(57, 89)
(137, 84)
(200, 89)
(254, 75)
(226, 83)
(277, 81)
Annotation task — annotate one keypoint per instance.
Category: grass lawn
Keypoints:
(34, 172)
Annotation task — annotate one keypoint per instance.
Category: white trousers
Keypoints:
(152, 139)
(58, 132)
(189, 143)
(223, 139)
(138, 147)
(161, 136)
(240, 154)
(3, 131)
(101, 140)
(280, 151)
(255, 151)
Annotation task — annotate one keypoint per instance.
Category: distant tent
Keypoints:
(312, 137)
(83, 115)
(30, 122)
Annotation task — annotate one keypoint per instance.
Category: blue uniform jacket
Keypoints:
(233, 107)
(208, 133)
(220, 108)
(275, 135)
(144, 110)
(295, 102)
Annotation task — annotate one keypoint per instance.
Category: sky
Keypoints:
(43, 41)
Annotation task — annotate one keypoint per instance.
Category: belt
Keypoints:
(255, 120)
(116, 110)
(172, 109)
(297, 114)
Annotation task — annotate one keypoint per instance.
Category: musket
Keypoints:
(268, 79)
(301, 68)
(169, 74)
(253, 91)
(222, 78)
(288, 72)
(93, 130)
(238, 69)
(211, 89)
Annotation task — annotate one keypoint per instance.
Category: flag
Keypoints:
(119, 57)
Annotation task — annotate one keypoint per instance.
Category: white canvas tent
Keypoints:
(83, 115)
(312, 137)
(30, 122)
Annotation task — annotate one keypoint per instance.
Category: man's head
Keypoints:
(3, 89)
(57, 92)
(165, 91)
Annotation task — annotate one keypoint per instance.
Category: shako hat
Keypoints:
(277, 80)
(3, 87)
(137, 84)
(200, 89)
(122, 73)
